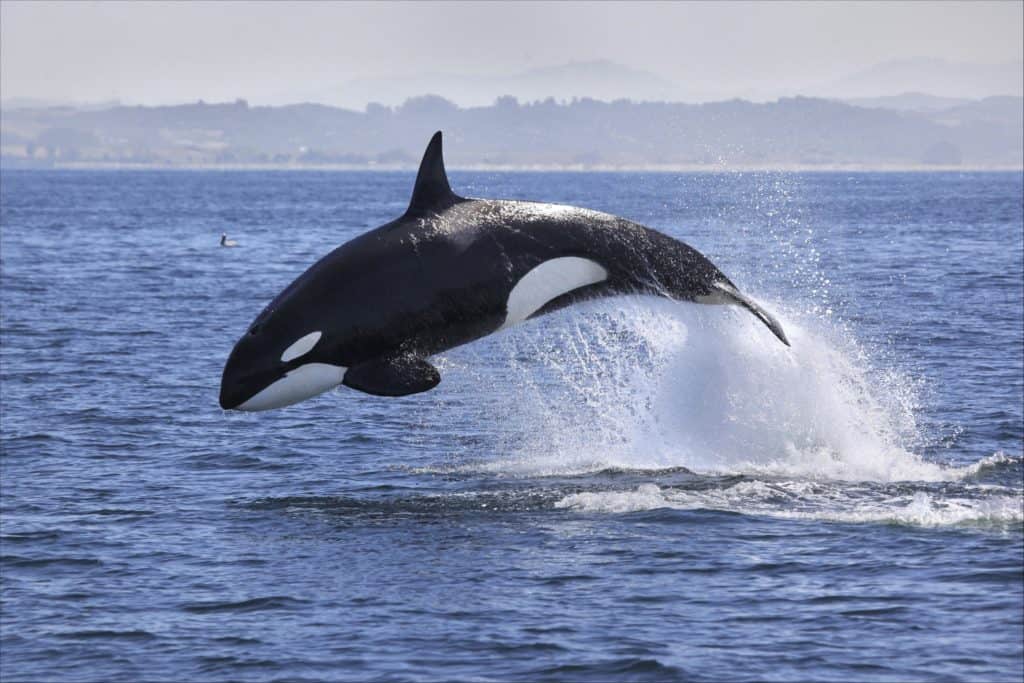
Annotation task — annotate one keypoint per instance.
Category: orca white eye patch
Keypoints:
(301, 347)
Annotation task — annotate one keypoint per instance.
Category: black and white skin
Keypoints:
(449, 271)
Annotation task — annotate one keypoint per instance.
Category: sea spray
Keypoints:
(640, 383)
(643, 385)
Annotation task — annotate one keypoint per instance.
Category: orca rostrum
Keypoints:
(449, 271)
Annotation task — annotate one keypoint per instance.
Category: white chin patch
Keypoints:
(305, 381)
(548, 281)
(301, 347)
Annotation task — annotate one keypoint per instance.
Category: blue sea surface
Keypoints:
(630, 489)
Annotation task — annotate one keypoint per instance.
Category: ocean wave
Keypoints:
(814, 501)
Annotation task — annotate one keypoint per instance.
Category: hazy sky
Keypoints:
(174, 52)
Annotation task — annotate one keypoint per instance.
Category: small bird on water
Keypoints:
(225, 242)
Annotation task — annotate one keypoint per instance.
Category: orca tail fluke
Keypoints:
(733, 295)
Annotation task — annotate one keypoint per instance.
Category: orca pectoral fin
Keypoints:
(734, 296)
(396, 375)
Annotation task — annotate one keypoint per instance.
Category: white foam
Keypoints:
(808, 500)
(995, 460)
(645, 497)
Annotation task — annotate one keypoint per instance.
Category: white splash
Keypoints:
(642, 383)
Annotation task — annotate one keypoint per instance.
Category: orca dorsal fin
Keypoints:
(431, 191)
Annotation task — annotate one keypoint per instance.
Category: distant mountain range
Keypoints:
(937, 77)
(608, 81)
(583, 133)
(601, 80)
(916, 84)
(909, 101)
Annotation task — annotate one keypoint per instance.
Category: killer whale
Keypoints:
(448, 271)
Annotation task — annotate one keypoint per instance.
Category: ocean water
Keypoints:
(632, 489)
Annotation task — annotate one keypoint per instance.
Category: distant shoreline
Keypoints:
(532, 168)
(797, 134)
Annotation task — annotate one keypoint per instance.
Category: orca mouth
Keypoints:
(236, 387)
(233, 395)
(230, 399)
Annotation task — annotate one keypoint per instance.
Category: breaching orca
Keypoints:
(449, 271)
